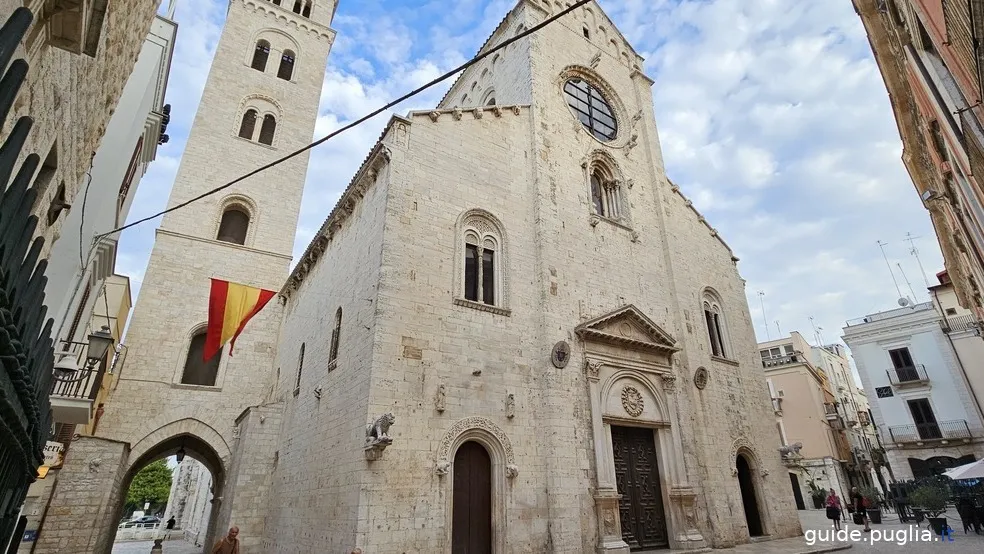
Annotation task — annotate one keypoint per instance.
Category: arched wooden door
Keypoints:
(471, 514)
(748, 498)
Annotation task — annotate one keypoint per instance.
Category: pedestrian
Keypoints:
(229, 543)
(834, 509)
(170, 527)
(857, 501)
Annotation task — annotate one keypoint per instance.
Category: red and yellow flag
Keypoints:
(230, 307)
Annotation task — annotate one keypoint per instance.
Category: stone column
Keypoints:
(683, 497)
(606, 496)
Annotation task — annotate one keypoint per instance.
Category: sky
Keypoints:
(772, 115)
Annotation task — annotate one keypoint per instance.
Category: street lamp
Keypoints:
(180, 455)
(99, 344)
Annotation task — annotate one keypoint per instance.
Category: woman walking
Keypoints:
(834, 509)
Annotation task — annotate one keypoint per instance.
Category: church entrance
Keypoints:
(471, 514)
(637, 476)
(748, 499)
(797, 491)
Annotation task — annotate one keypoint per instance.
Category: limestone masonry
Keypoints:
(512, 334)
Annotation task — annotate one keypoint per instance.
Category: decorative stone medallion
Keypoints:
(700, 377)
(632, 401)
(561, 354)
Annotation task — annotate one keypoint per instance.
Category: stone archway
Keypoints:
(749, 496)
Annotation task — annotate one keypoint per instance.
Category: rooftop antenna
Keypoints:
(816, 333)
(171, 8)
(915, 252)
(894, 280)
(765, 319)
(907, 282)
(778, 328)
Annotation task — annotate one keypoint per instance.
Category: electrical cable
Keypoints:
(359, 121)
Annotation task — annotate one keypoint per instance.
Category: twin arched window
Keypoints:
(717, 333)
(302, 7)
(234, 225)
(606, 195)
(261, 55)
(480, 251)
(247, 129)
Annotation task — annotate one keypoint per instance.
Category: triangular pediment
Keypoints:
(627, 326)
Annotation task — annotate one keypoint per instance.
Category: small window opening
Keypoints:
(286, 70)
(268, 129)
(58, 204)
(335, 338)
(234, 226)
(249, 125)
(297, 6)
(260, 55)
(197, 370)
(300, 369)
(307, 9)
(587, 33)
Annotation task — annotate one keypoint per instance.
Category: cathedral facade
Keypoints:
(512, 334)
(515, 334)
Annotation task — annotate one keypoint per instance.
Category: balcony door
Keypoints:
(925, 419)
(904, 367)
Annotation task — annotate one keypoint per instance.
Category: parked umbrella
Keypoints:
(973, 470)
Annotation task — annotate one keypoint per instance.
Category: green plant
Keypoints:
(872, 495)
(816, 491)
(931, 498)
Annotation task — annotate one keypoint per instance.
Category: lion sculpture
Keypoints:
(378, 431)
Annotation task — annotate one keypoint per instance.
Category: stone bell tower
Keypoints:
(260, 103)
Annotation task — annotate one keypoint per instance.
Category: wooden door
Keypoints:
(637, 475)
(471, 514)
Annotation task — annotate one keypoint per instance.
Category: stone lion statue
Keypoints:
(378, 431)
(791, 449)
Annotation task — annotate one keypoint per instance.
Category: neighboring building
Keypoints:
(928, 54)
(484, 286)
(191, 501)
(963, 332)
(809, 417)
(128, 147)
(65, 65)
(89, 389)
(923, 405)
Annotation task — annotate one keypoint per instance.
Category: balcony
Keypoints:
(830, 410)
(911, 376)
(79, 371)
(795, 358)
(959, 324)
(943, 431)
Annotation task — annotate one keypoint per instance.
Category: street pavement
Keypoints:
(176, 546)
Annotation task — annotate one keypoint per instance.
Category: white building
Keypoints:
(922, 401)
(129, 145)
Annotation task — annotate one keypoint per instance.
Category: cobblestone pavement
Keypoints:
(143, 547)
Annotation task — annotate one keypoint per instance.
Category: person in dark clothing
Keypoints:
(170, 527)
(857, 502)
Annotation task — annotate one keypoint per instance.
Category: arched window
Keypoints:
(307, 9)
(717, 333)
(268, 129)
(606, 195)
(248, 126)
(300, 369)
(591, 108)
(481, 256)
(234, 226)
(489, 98)
(260, 55)
(335, 337)
(286, 70)
(197, 370)
(297, 6)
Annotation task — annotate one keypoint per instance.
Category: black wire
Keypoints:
(359, 121)
(85, 197)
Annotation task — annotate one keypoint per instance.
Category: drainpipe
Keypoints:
(956, 354)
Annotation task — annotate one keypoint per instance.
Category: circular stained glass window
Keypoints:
(591, 108)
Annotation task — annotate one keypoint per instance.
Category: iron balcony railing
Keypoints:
(85, 384)
(944, 430)
(830, 409)
(910, 375)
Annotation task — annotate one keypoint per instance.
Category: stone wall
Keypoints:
(88, 493)
(71, 96)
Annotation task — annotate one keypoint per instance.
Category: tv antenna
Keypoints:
(765, 319)
(915, 252)
(894, 280)
(907, 282)
(817, 332)
(778, 328)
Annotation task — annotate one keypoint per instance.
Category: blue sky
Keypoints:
(772, 116)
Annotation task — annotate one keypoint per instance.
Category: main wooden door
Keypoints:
(471, 514)
(637, 476)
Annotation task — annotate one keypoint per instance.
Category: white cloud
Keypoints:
(772, 116)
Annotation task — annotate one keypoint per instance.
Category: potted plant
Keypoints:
(872, 503)
(932, 499)
(818, 495)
